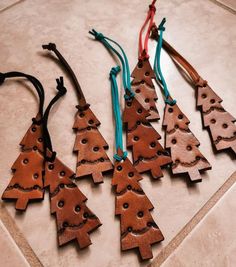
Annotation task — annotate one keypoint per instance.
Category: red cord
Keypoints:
(143, 51)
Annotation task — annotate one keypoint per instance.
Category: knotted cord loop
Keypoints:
(123, 58)
(143, 49)
(157, 66)
(117, 114)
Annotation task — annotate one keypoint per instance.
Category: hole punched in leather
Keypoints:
(90, 146)
(214, 115)
(74, 220)
(26, 184)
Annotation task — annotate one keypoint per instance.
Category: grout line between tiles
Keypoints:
(220, 4)
(179, 238)
(10, 6)
(18, 237)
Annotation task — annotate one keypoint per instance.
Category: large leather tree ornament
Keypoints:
(143, 73)
(138, 229)
(27, 181)
(179, 139)
(183, 144)
(74, 219)
(219, 122)
(90, 145)
(142, 138)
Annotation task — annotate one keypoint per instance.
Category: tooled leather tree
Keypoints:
(179, 139)
(219, 122)
(89, 144)
(138, 229)
(142, 138)
(27, 181)
(183, 145)
(143, 73)
(74, 220)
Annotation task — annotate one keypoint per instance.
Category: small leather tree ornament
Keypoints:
(138, 229)
(179, 139)
(74, 220)
(89, 144)
(143, 73)
(27, 181)
(148, 154)
(219, 122)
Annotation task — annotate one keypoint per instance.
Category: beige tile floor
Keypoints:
(206, 34)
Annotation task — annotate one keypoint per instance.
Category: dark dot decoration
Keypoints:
(50, 166)
(225, 125)
(212, 101)
(153, 144)
(86, 215)
(147, 73)
(136, 138)
(130, 174)
(77, 208)
(140, 110)
(125, 205)
(81, 115)
(129, 187)
(147, 100)
(170, 110)
(65, 224)
(33, 129)
(89, 128)
(102, 160)
(35, 175)
(140, 214)
(91, 121)
(84, 141)
(189, 148)
(119, 168)
(174, 141)
(204, 95)
(62, 173)
(40, 139)
(25, 161)
(83, 161)
(213, 121)
(140, 65)
(61, 203)
(137, 91)
(180, 116)
(129, 104)
(130, 229)
(96, 148)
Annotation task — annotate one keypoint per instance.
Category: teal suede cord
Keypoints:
(117, 114)
(123, 58)
(157, 65)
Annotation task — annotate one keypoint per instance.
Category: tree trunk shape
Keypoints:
(90, 146)
(219, 122)
(138, 229)
(144, 88)
(74, 219)
(27, 181)
(183, 144)
(148, 154)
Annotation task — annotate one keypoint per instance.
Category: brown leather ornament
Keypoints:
(74, 219)
(90, 146)
(183, 144)
(144, 88)
(138, 229)
(215, 118)
(148, 154)
(27, 181)
(219, 122)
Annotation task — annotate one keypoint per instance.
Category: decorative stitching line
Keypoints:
(213, 108)
(228, 139)
(188, 164)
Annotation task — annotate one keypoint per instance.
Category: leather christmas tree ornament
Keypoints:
(74, 219)
(179, 139)
(143, 73)
(89, 144)
(148, 154)
(27, 182)
(219, 122)
(138, 229)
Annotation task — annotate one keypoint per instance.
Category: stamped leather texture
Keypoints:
(144, 88)
(183, 145)
(90, 146)
(138, 229)
(74, 219)
(142, 138)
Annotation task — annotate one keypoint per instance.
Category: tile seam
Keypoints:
(10, 6)
(19, 239)
(197, 218)
(220, 4)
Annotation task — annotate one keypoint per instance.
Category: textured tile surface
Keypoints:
(212, 242)
(10, 253)
(198, 33)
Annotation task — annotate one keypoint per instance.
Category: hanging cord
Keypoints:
(177, 57)
(46, 136)
(81, 97)
(36, 83)
(129, 94)
(143, 50)
(157, 65)
(117, 115)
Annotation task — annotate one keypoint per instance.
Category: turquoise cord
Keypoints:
(157, 65)
(123, 58)
(117, 114)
